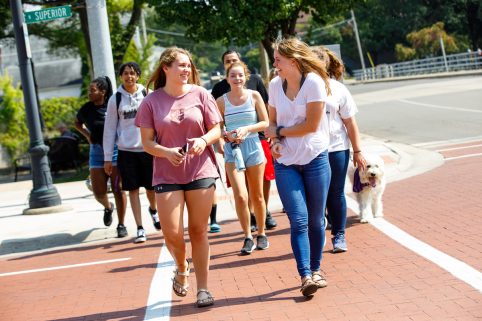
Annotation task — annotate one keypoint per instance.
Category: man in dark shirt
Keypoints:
(254, 83)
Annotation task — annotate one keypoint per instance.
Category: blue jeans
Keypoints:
(303, 190)
(336, 202)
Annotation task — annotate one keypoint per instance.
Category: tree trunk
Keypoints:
(120, 48)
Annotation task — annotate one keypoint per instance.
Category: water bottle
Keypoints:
(238, 157)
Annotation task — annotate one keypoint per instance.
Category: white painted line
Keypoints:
(457, 148)
(64, 267)
(440, 107)
(455, 267)
(464, 156)
(435, 144)
(160, 297)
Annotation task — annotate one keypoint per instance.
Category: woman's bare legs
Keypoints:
(172, 204)
(98, 179)
(119, 195)
(240, 192)
(136, 206)
(254, 175)
(199, 203)
(151, 197)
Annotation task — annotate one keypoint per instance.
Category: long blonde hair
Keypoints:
(306, 60)
(333, 64)
(168, 56)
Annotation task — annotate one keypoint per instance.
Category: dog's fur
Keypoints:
(373, 179)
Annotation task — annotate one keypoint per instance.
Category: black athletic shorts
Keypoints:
(135, 170)
(197, 184)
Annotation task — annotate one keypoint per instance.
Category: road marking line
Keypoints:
(440, 107)
(435, 144)
(64, 267)
(457, 148)
(159, 300)
(457, 268)
(464, 156)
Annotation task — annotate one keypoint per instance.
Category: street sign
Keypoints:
(48, 14)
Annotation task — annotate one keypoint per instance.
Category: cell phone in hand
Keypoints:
(184, 149)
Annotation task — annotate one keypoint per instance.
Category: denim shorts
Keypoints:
(96, 156)
(202, 183)
(251, 149)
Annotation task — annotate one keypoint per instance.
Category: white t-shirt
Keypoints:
(303, 149)
(339, 105)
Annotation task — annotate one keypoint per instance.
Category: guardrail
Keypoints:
(455, 62)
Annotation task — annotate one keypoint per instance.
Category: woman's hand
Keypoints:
(108, 168)
(241, 134)
(196, 145)
(175, 155)
(270, 132)
(359, 161)
(276, 149)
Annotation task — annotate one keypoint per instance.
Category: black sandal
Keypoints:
(205, 300)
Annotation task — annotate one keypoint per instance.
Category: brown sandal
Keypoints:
(319, 279)
(179, 288)
(204, 298)
(308, 287)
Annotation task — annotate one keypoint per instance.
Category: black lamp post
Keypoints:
(44, 194)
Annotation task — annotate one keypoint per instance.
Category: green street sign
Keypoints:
(47, 14)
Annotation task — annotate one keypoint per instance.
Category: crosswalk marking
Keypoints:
(457, 268)
(64, 267)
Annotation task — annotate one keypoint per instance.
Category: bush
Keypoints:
(14, 134)
(13, 126)
(59, 110)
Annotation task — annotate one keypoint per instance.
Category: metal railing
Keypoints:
(455, 62)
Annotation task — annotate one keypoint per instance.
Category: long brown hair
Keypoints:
(306, 60)
(241, 64)
(333, 64)
(158, 77)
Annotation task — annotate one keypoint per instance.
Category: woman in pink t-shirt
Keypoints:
(179, 121)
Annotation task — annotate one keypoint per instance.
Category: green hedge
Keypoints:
(14, 135)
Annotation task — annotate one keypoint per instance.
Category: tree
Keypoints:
(426, 42)
(72, 34)
(243, 22)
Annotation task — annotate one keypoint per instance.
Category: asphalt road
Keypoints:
(421, 111)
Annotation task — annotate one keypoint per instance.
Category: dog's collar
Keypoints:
(358, 186)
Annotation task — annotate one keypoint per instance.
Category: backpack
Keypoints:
(118, 97)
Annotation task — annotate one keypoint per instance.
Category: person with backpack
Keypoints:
(90, 123)
(135, 165)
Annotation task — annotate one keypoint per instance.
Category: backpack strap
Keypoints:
(118, 97)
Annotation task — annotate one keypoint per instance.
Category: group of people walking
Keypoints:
(166, 141)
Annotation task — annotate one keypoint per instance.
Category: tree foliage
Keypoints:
(14, 134)
(13, 129)
(384, 24)
(243, 22)
(426, 42)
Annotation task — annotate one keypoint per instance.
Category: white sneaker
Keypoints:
(141, 236)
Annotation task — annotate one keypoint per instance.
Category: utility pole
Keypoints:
(44, 194)
(100, 40)
(358, 43)
(443, 54)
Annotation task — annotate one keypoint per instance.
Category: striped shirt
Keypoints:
(239, 116)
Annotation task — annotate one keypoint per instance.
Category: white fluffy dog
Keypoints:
(369, 186)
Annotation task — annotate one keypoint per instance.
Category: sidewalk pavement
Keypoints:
(83, 223)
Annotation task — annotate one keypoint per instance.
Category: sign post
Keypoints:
(48, 14)
(44, 195)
